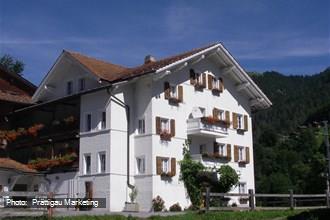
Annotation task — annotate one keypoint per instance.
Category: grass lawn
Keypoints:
(224, 215)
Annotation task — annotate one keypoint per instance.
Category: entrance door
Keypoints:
(89, 189)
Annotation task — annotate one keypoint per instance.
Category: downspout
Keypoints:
(127, 109)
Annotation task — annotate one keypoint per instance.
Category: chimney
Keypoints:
(149, 59)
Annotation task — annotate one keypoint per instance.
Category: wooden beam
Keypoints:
(198, 59)
(226, 70)
(242, 86)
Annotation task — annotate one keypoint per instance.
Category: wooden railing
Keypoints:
(251, 196)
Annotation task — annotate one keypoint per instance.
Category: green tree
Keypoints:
(11, 64)
(228, 179)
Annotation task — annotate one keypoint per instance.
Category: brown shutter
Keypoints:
(180, 93)
(173, 166)
(204, 80)
(158, 165)
(167, 90)
(235, 153)
(172, 127)
(209, 81)
(235, 122)
(158, 128)
(221, 84)
(215, 148)
(229, 151)
(246, 122)
(247, 155)
(216, 113)
(227, 115)
(192, 77)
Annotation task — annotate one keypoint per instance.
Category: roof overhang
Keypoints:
(258, 100)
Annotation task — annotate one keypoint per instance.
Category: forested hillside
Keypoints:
(288, 144)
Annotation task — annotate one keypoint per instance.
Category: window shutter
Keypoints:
(215, 113)
(246, 122)
(192, 77)
(180, 93)
(247, 155)
(209, 81)
(173, 166)
(235, 122)
(158, 128)
(158, 165)
(227, 115)
(215, 148)
(172, 127)
(221, 84)
(235, 153)
(204, 80)
(229, 151)
(167, 90)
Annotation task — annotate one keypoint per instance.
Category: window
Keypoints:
(173, 90)
(241, 156)
(103, 120)
(141, 126)
(69, 88)
(199, 78)
(239, 121)
(140, 162)
(81, 84)
(165, 165)
(102, 162)
(35, 188)
(202, 149)
(222, 150)
(88, 122)
(87, 164)
(203, 111)
(215, 83)
(242, 188)
(221, 115)
(164, 125)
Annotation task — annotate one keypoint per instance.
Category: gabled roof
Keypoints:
(115, 73)
(101, 69)
(14, 88)
(112, 72)
(9, 164)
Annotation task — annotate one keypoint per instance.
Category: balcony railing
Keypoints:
(209, 159)
(207, 126)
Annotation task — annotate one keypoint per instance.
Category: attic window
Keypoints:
(69, 87)
(81, 84)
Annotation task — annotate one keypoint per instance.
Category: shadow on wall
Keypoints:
(318, 214)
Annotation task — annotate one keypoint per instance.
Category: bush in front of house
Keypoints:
(175, 208)
(158, 204)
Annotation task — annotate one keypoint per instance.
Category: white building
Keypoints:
(134, 121)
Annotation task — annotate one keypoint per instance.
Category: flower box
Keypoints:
(241, 163)
(199, 86)
(165, 136)
(216, 156)
(216, 91)
(164, 174)
(215, 121)
(174, 100)
(131, 207)
(45, 163)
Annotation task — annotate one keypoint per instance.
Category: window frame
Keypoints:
(87, 171)
(242, 190)
(81, 84)
(143, 164)
(100, 164)
(165, 163)
(240, 123)
(222, 149)
(167, 125)
(241, 153)
(142, 129)
(103, 120)
(173, 91)
(69, 87)
(88, 122)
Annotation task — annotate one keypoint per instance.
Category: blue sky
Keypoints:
(292, 37)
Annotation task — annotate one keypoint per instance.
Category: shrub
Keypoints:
(133, 194)
(228, 179)
(175, 208)
(158, 204)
